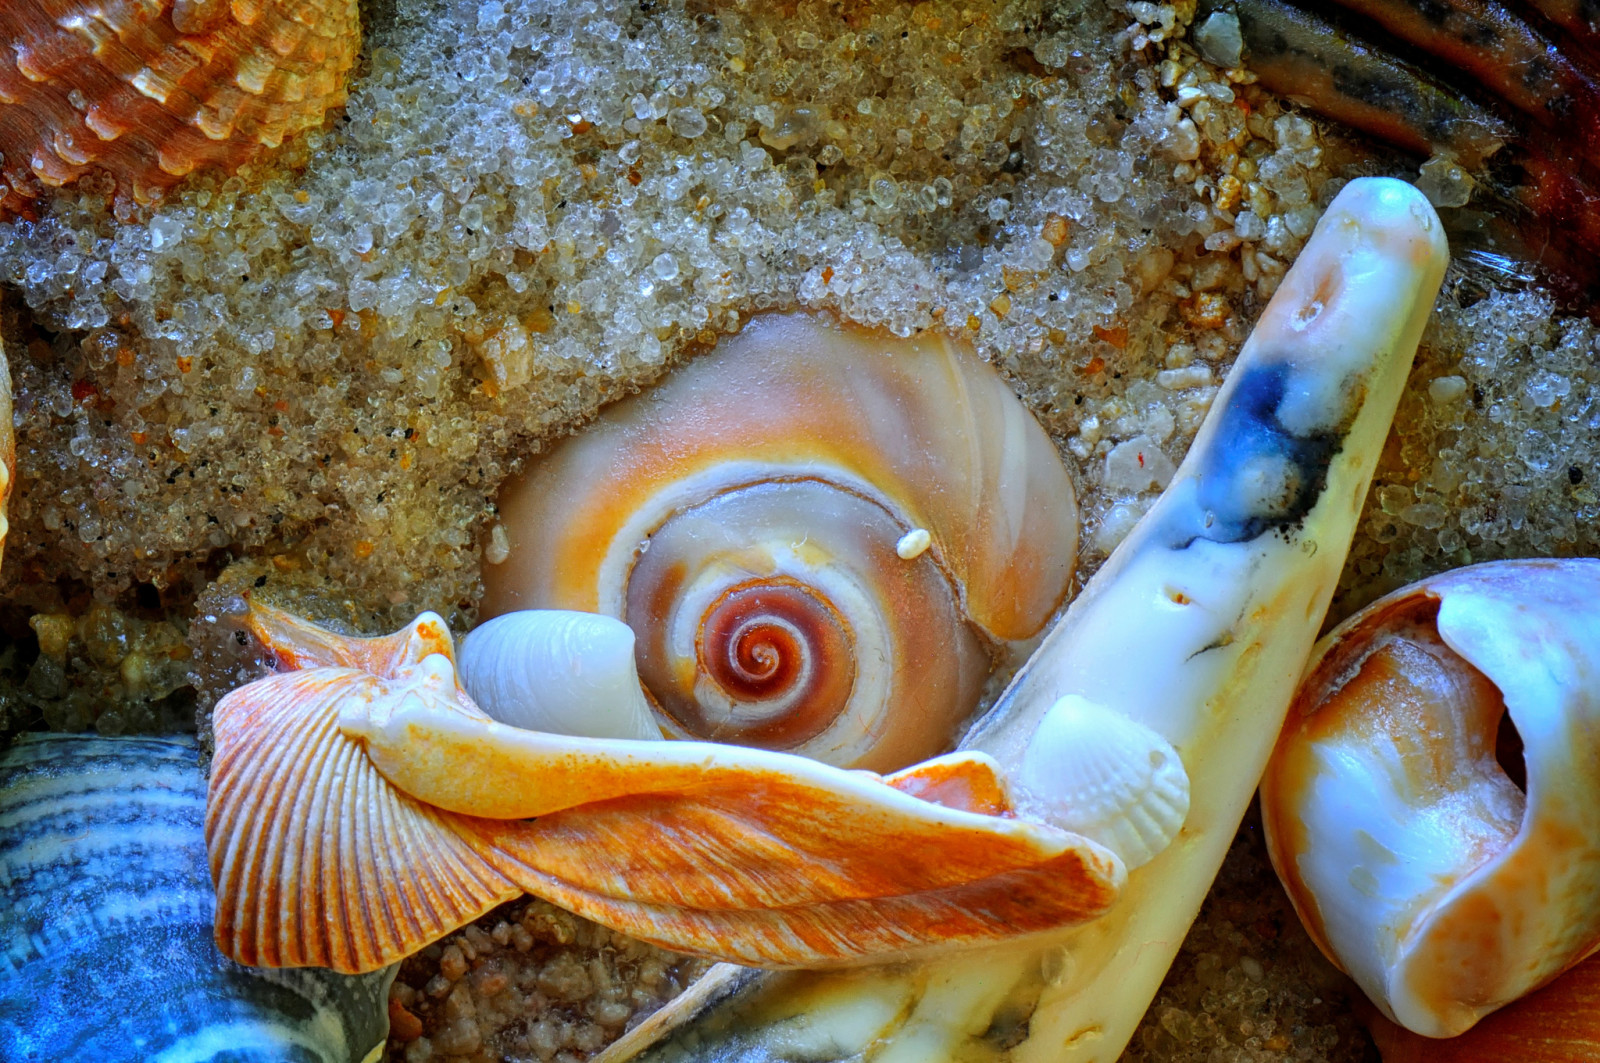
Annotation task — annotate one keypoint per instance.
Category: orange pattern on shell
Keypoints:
(150, 91)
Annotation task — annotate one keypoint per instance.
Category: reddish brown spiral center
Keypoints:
(782, 660)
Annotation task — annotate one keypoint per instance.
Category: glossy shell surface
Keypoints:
(1419, 864)
(106, 916)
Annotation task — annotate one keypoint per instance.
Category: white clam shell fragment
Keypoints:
(1197, 628)
(1094, 771)
(1415, 860)
(558, 671)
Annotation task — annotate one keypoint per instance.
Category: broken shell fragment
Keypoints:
(819, 534)
(149, 90)
(1196, 628)
(362, 806)
(1444, 888)
(559, 671)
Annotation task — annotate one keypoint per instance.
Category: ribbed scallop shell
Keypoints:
(362, 807)
(1417, 864)
(106, 915)
(148, 90)
(1094, 771)
(756, 519)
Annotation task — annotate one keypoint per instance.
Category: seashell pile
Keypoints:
(106, 911)
(361, 806)
(1185, 647)
(149, 91)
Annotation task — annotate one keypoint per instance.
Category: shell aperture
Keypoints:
(106, 913)
(1415, 861)
(744, 516)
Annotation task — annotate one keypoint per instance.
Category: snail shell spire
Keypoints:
(149, 90)
(818, 533)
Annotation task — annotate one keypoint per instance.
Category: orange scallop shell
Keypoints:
(148, 90)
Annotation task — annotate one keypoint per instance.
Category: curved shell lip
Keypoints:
(1476, 612)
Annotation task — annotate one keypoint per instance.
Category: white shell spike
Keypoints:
(1196, 628)
(1094, 771)
(558, 671)
(1415, 861)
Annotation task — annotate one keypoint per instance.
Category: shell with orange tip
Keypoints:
(149, 90)
(362, 806)
(1557, 1024)
(820, 535)
(1443, 886)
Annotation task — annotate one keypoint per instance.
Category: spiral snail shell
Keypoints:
(818, 534)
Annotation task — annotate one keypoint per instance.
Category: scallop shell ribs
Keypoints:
(148, 91)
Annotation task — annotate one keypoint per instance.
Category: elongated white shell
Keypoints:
(559, 671)
(1415, 861)
(819, 534)
(1094, 771)
(1197, 627)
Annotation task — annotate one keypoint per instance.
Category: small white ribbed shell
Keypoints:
(1098, 773)
(558, 671)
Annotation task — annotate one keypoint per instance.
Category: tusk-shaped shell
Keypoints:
(560, 671)
(1196, 628)
(362, 806)
(1414, 860)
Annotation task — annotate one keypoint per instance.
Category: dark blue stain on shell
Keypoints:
(1257, 476)
(106, 912)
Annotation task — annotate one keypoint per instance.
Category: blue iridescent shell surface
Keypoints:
(106, 905)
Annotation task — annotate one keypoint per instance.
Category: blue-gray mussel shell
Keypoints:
(106, 913)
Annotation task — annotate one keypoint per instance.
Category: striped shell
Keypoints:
(817, 532)
(106, 915)
(148, 90)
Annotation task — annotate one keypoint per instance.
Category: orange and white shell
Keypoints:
(818, 533)
(148, 90)
(1557, 1024)
(361, 806)
(1419, 865)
